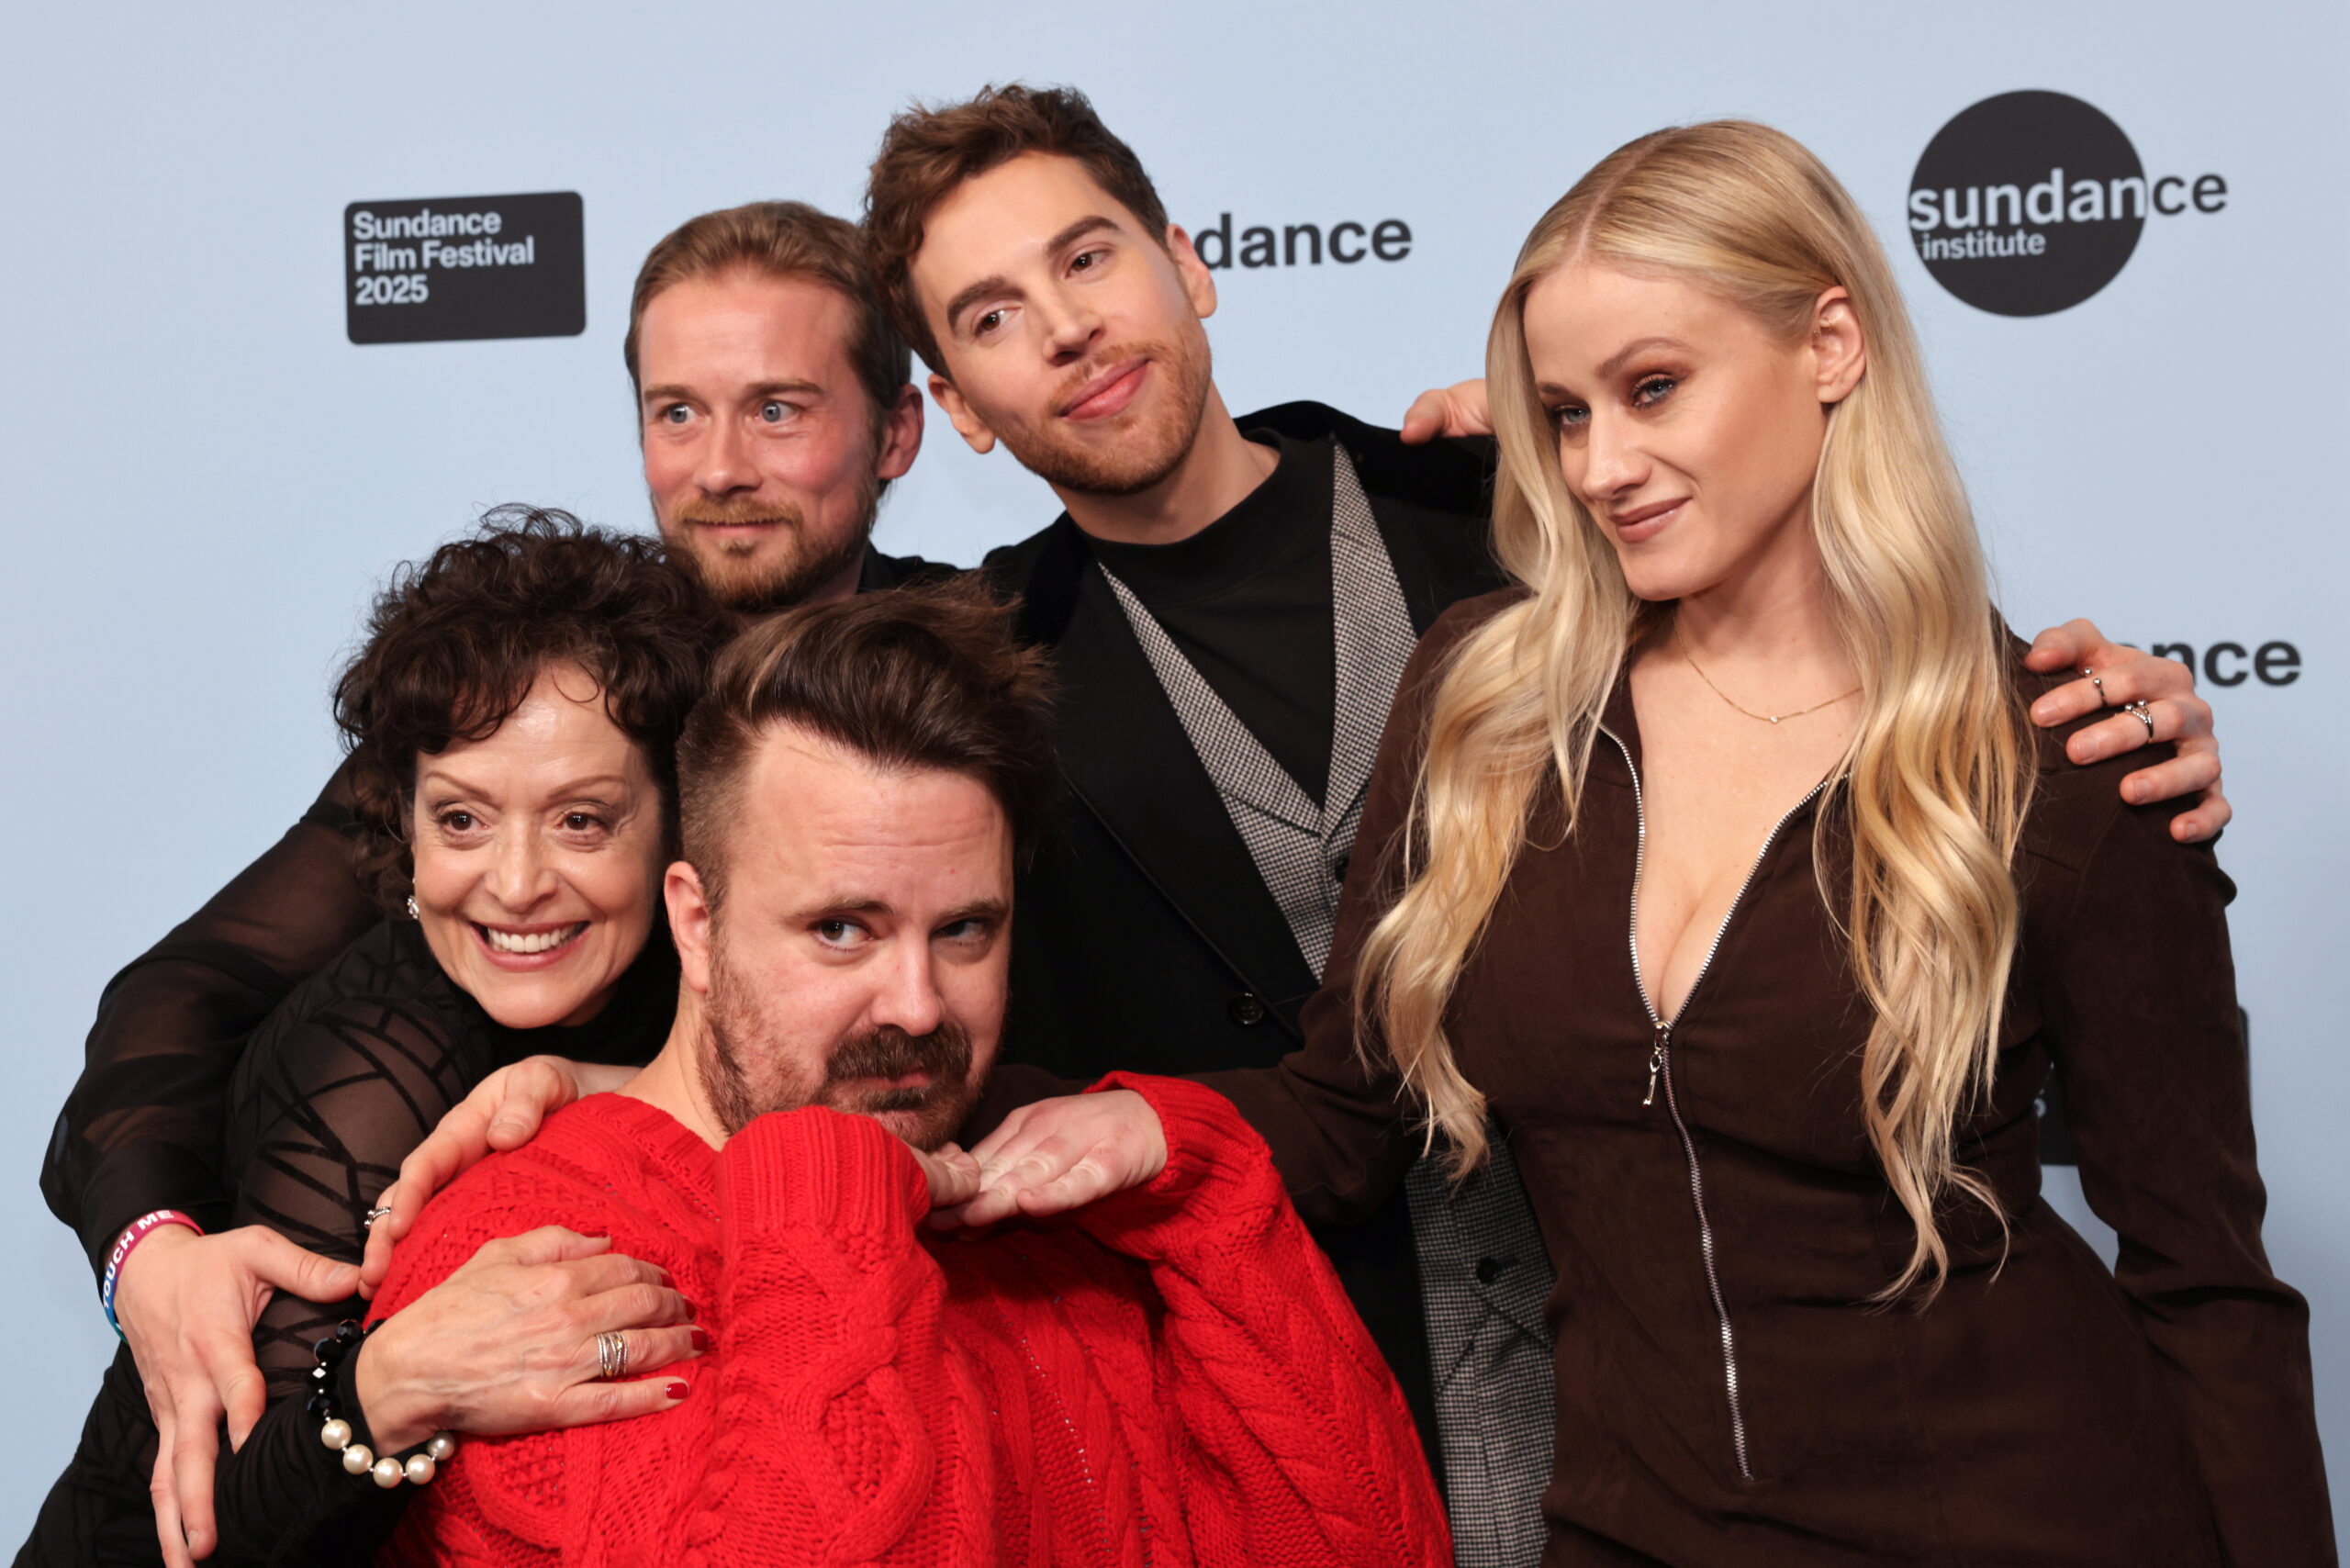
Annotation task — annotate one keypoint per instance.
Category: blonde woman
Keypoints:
(1718, 864)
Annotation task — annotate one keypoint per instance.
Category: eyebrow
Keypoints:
(676, 393)
(609, 784)
(998, 284)
(1631, 351)
(983, 909)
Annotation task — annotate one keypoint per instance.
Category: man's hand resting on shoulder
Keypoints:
(502, 1113)
(1062, 1154)
(188, 1305)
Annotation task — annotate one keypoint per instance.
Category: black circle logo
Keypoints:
(2027, 203)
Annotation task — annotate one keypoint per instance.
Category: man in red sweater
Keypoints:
(1171, 1376)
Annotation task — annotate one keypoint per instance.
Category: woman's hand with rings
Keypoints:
(2150, 699)
(509, 1343)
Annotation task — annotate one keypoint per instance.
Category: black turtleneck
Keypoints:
(1247, 599)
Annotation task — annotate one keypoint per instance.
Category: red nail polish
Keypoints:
(701, 1340)
(676, 1391)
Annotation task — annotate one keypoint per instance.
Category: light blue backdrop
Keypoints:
(202, 480)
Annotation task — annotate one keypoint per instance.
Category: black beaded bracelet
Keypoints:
(416, 1467)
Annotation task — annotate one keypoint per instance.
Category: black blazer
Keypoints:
(1143, 939)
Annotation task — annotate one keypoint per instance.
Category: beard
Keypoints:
(749, 1068)
(1145, 448)
(783, 567)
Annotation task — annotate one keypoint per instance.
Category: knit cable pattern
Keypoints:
(1173, 1378)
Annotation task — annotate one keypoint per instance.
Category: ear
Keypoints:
(901, 434)
(1840, 352)
(967, 424)
(689, 921)
(1199, 284)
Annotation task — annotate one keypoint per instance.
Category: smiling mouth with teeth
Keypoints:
(526, 943)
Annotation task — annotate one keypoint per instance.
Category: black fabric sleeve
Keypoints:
(141, 1129)
(321, 1114)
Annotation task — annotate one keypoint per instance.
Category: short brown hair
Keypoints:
(914, 678)
(928, 152)
(783, 239)
(454, 644)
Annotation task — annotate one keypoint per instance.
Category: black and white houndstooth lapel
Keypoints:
(1300, 848)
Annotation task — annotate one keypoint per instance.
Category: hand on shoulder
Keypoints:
(2113, 676)
(504, 1111)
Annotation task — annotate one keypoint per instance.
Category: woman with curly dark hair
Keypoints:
(512, 722)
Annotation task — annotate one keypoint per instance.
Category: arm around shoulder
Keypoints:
(141, 1130)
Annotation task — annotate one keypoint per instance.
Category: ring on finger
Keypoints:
(2143, 713)
(2098, 681)
(612, 1355)
(375, 1214)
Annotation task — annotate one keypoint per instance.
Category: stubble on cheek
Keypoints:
(1123, 457)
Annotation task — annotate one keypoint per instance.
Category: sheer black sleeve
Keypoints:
(321, 1112)
(141, 1129)
(337, 1085)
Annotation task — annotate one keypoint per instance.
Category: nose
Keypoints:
(1072, 328)
(1613, 463)
(724, 464)
(520, 876)
(907, 994)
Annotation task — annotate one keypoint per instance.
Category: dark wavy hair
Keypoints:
(914, 678)
(454, 644)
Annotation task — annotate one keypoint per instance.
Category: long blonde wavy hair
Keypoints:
(1933, 789)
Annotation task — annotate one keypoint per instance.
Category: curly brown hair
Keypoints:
(931, 149)
(454, 644)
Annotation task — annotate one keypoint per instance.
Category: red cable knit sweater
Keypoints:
(1171, 1376)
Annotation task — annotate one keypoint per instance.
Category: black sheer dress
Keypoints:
(342, 1081)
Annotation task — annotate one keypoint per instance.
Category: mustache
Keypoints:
(736, 512)
(944, 1054)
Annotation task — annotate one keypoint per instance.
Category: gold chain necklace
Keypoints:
(1766, 718)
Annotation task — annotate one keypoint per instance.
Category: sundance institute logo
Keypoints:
(2029, 203)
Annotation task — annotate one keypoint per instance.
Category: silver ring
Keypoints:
(2098, 681)
(2143, 714)
(375, 1214)
(612, 1355)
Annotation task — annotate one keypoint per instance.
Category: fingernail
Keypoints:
(666, 1282)
(676, 1391)
(701, 1340)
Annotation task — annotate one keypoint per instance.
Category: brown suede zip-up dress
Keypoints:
(1726, 1393)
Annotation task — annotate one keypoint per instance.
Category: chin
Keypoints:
(1660, 578)
(516, 1008)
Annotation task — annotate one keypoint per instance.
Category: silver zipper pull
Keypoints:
(1656, 1065)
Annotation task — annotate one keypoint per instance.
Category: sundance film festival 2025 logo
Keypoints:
(2029, 203)
(445, 269)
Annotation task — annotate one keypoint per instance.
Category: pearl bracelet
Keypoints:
(388, 1471)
